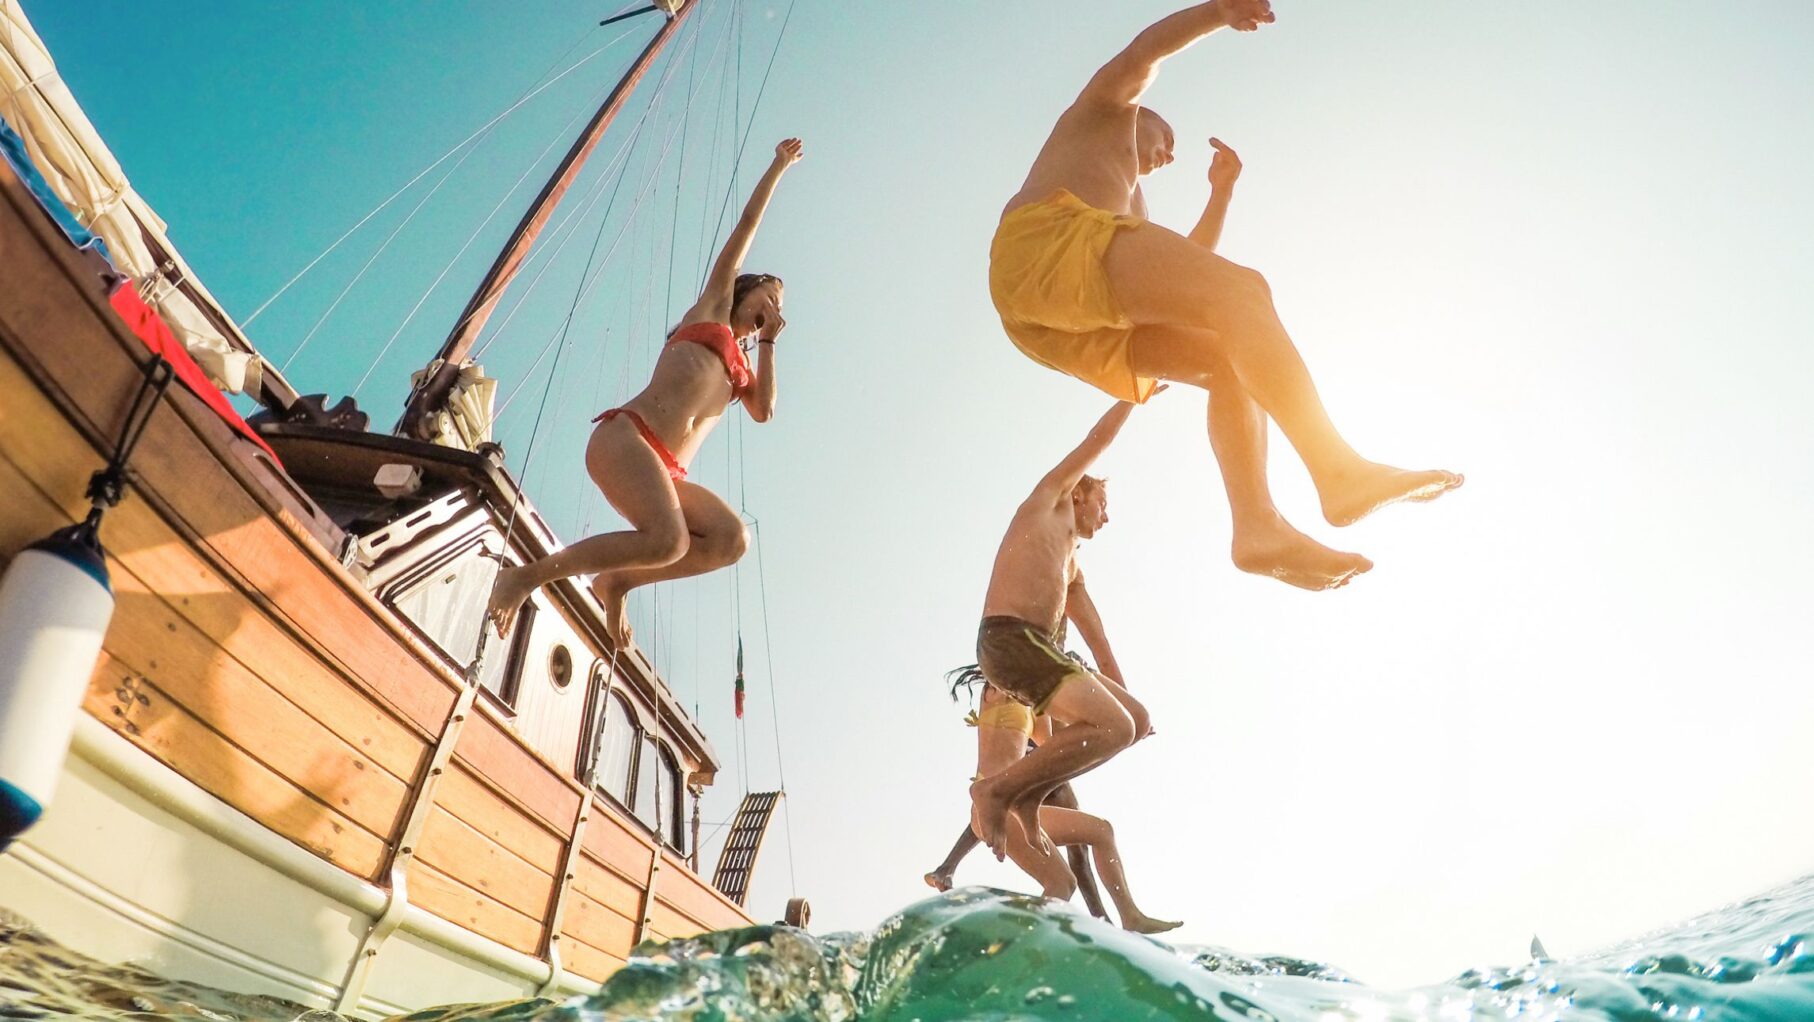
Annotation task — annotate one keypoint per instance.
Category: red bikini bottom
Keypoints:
(675, 472)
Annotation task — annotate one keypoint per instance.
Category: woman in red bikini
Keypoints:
(638, 453)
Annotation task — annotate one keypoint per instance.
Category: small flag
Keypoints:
(739, 677)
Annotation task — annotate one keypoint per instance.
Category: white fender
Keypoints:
(55, 602)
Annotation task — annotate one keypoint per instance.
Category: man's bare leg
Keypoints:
(1263, 542)
(716, 537)
(1095, 729)
(1070, 827)
(1163, 279)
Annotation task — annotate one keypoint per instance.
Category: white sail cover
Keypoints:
(465, 421)
(84, 174)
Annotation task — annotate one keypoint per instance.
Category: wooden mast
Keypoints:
(433, 392)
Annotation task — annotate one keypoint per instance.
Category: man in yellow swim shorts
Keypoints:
(1085, 285)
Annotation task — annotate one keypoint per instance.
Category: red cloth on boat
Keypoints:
(149, 327)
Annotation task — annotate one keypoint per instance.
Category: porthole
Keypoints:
(560, 666)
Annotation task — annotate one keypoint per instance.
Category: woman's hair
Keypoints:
(747, 282)
(740, 288)
(964, 678)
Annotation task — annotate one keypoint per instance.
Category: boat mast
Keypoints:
(433, 393)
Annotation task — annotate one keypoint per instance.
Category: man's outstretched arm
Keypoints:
(1126, 78)
(1059, 482)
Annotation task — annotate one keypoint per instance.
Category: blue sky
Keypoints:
(1565, 253)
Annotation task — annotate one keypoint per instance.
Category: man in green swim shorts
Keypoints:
(1021, 656)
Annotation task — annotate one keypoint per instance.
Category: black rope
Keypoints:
(107, 487)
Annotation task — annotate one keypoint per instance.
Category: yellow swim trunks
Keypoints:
(1045, 274)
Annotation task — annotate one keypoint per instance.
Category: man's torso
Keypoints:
(1090, 153)
(1034, 565)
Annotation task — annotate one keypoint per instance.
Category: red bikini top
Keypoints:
(717, 337)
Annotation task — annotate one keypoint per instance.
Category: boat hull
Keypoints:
(273, 780)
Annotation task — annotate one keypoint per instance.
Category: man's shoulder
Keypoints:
(1038, 510)
(1091, 113)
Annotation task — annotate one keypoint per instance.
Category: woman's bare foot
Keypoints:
(1274, 549)
(615, 600)
(1353, 495)
(508, 592)
(989, 816)
(940, 882)
(1147, 924)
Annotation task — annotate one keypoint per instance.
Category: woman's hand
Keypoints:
(1224, 167)
(772, 324)
(788, 152)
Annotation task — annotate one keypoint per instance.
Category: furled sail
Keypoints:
(83, 172)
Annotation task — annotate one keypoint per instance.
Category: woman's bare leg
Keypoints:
(1071, 827)
(1039, 859)
(1078, 856)
(1163, 279)
(716, 538)
(940, 878)
(633, 479)
(1095, 729)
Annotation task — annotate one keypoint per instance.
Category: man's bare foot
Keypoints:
(1354, 495)
(1279, 551)
(940, 882)
(989, 816)
(1147, 924)
(615, 600)
(507, 595)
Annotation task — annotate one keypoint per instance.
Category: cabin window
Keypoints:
(445, 600)
(676, 801)
(596, 679)
(448, 603)
(617, 749)
(648, 784)
(560, 665)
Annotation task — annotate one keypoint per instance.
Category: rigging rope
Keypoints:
(654, 105)
(482, 129)
(588, 286)
(750, 125)
(474, 236)
(373, 258)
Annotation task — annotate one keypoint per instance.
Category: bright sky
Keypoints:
(1564, 251)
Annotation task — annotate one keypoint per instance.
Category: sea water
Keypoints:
(991, 955)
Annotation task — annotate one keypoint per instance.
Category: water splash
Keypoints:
(992, 956)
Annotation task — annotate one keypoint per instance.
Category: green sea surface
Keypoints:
(982, 954)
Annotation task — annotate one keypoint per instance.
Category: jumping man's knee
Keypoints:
(1120, 730)
(740, 542)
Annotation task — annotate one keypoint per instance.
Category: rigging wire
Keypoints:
(373, 258)
(743, 491)
(637, 203)
(654, 106)
(474, 236)
(750, 125)
(482, 129)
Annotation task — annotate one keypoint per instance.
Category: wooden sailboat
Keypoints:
(291, 776)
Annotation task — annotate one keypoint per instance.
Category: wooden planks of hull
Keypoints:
(247, 660)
